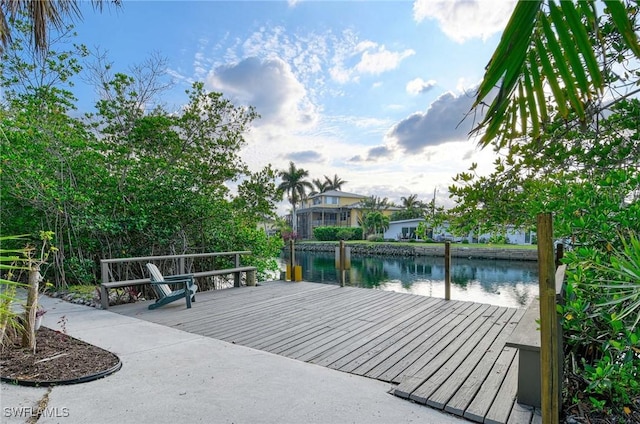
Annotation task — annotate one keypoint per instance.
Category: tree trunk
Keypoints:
(294, 220)
(29, 334)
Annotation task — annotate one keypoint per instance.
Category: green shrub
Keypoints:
(344, 234)
(337, 233)
(600, 321)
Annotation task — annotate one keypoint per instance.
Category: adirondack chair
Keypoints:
(160, 285)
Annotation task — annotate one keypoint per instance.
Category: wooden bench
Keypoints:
(526, 338)
(237, 271)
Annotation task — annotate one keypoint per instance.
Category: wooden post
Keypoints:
(292, 258)
(251, 278)
(447, 270)
(104, 294)
(343, 258)
(181, 265)
(549, 346)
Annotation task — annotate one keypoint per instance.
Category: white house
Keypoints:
(406, 230)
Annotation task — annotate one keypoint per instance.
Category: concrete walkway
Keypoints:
(170, 376)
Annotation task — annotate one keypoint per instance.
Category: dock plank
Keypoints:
(453, 318)
(350, 328)
(505, 398)
(463, 396)
(479, 406)
(450, 354)
(456, 371)
(420, 369)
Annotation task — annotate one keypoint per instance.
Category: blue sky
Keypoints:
(372, 91)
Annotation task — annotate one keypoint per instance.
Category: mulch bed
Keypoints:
(59, 359)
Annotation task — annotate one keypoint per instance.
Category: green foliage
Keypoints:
(11, 261)
(258, 195)
(126, 181)
(375, 222)
(498, 239)
(588, 178)
(571, 48)
(576, 153)
(600, 322)
(337, 233)
(406, 214)
(295, 186)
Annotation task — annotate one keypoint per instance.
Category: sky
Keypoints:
(375, 92)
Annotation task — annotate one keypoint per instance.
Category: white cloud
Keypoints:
(269, 86)
(462, 20)
(367, 57)
(382, 60)
(418, 86)
(441, 123)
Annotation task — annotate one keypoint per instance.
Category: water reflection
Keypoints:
(497, 282)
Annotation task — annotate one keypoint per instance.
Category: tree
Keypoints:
(294, 184)
(335, 183)
(161, 176)
(566, 119)
(571, 48)
(411, 202)
(375, 222)
(40, 14)
(319, 186)
(412, 208)
(375, 203)
(257, 195)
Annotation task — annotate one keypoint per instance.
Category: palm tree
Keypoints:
(411, 202)
(564, 47)
(40, 14)
(320, 186)
(375, 221)
(335, 183)
(294, 184)
(375, 203)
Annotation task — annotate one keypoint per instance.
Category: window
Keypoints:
(331, 200)
(317, 200)
(409, 232)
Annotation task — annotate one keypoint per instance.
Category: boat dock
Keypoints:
(448, 355)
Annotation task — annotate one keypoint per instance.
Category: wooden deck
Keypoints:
(448, 355)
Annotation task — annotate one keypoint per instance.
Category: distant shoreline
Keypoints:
(458, 250)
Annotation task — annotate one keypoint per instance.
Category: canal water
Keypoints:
(496, 282)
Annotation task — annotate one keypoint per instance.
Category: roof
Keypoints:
(337, 193)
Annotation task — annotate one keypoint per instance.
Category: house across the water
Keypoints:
(332, 208)
(407, 230)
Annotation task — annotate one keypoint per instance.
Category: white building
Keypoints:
(406, 230)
